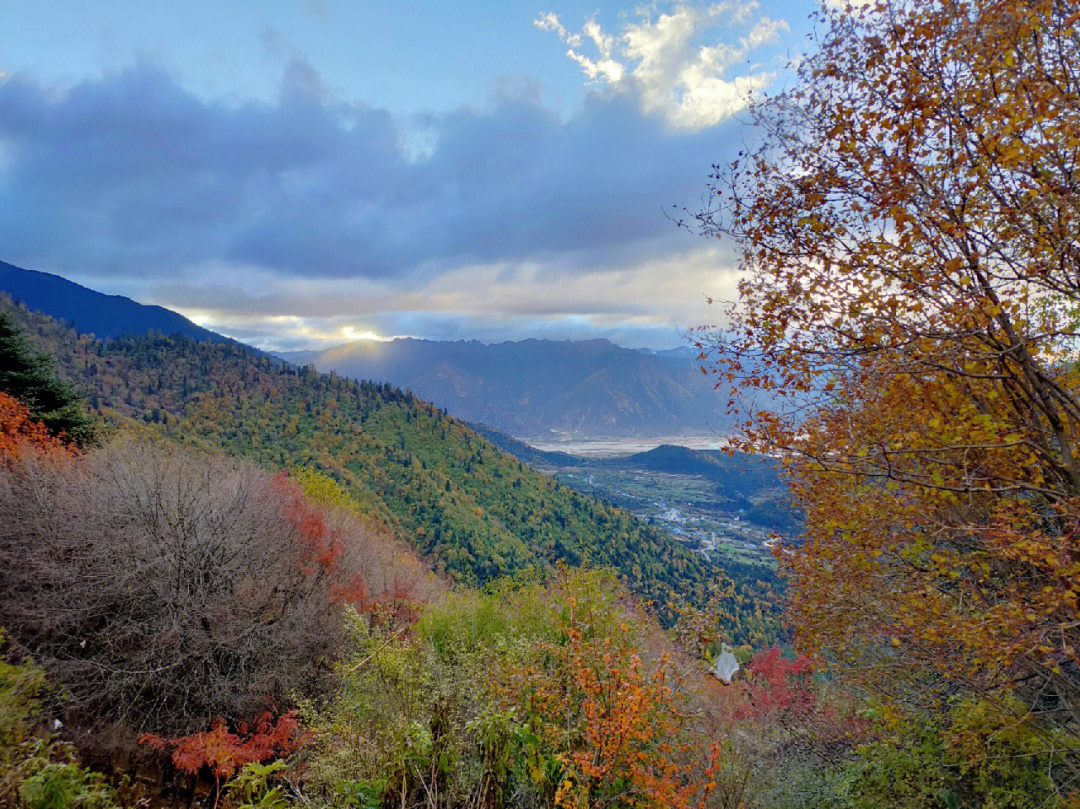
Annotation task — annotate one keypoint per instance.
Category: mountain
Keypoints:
(541, 389)
(91, 312)
(472, 509)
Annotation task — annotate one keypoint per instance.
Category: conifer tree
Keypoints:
(28, 375)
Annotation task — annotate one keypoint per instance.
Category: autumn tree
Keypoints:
(909, 224)
(19, 432)
(607, 727)
(28, 375)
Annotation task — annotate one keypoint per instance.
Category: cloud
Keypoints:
(602, 68)
(315, 208)
(663, 61)
(646, 302)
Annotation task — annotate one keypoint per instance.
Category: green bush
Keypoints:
(986, 753)
(422, 718)
(66, 786)
(251, 787)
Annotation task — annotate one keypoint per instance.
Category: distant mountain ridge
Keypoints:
(90, 312)
(536, 389)
(541, 388)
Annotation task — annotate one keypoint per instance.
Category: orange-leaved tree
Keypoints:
(606, 727)
(910, 232)
(20, 432)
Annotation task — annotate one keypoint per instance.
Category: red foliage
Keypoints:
(224, 752)
(19, 432)
(394, 607)
(779, 693)
(777, 684)
(354, 591)
(322, 549)
(322, 544)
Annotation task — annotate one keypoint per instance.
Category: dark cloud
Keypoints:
(131, 175)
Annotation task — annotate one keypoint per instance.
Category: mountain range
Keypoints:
(541, 389)
(474, 511)
(532, 389)
(90, 312)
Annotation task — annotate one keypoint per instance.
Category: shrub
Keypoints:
(164, 587)
(66, 786)
(534, 696)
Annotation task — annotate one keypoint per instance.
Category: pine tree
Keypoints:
(28, 376)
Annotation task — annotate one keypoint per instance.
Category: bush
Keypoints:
(66, 786)
(534, 696)
(164, 587)
(983, 753)
(34, 766)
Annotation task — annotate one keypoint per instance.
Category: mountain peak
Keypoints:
(91, 312)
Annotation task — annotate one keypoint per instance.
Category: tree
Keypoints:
(20, 433)
(610, 729)
(28, 375)
(910, 232)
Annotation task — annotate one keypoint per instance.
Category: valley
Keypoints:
(537, 406)
(682, 505)
(727, 509)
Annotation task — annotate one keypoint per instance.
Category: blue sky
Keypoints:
(297, 174)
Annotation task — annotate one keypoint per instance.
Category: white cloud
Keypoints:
(550, 22)
(669, 62)
(645, 302)
(602, 68)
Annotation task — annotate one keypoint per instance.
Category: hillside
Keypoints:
(91, 312)
(474, 510)
(540, 388)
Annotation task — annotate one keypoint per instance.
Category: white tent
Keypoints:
(726, 665)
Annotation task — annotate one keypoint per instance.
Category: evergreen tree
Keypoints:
(28, 376)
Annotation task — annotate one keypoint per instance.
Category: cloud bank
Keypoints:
(310, 219)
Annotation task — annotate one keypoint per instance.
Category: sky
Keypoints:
(298, 174)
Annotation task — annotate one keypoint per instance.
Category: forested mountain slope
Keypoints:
(476, 511)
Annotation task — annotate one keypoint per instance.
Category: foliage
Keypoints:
(19, 431)
(21, 752)
(528, 695)
(163, 587)
(982, 757)
(66, 786)
(251, 787)
(786, 734)
(604, 728)
(477, 512)
(27, 375)
(35, 766)
(224, 752)
(909, 224)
